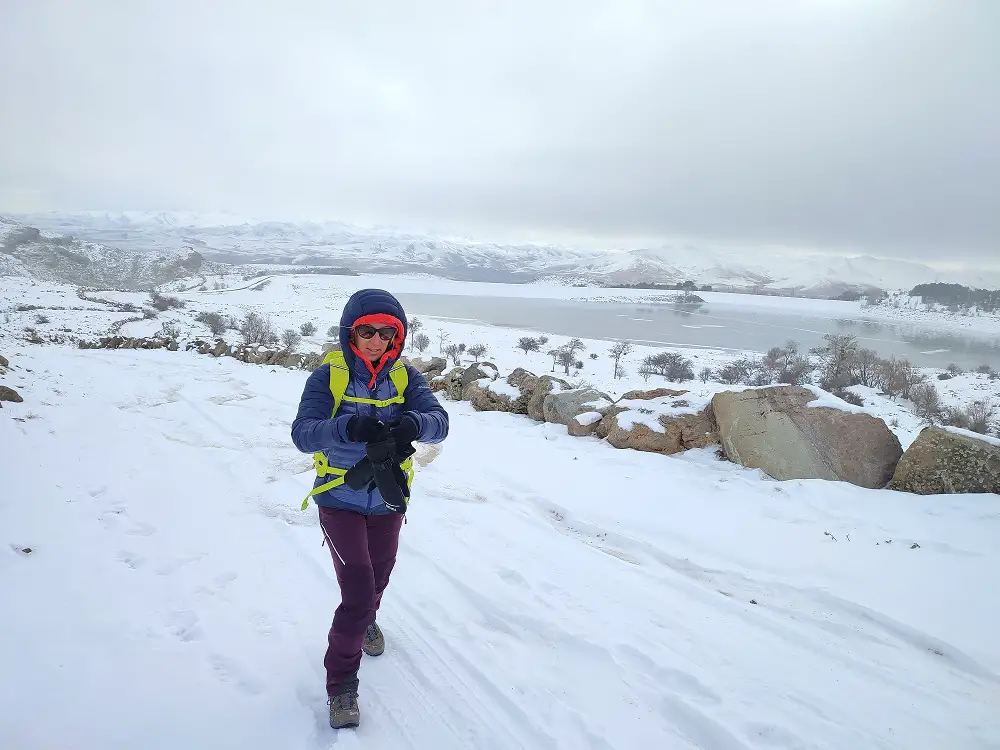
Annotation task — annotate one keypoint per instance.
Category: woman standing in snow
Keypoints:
(361, 409)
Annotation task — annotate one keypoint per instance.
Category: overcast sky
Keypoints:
(866, 125)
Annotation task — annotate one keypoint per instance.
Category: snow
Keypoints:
(588, 418)
(550, 591)
(501, 388)
(554, 598)
(974, 435)
(829, 401)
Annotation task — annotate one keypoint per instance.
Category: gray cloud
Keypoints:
(865, 126)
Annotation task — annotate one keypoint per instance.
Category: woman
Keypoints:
(353, 406)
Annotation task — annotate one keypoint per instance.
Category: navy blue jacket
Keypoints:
(316, 429)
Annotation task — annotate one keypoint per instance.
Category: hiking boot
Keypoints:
(374, 643)
(344, 710)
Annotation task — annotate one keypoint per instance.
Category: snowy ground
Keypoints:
(550, 592)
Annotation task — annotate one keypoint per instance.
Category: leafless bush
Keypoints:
(257, 329)
(782, 365)
(163, 303)
(896, 377)
(836, 360)
(42, 319)
(849, 397)
(865, 368)
(452, 351)
(705, 375)
(307, 329)
(528, 344)
(215, 322)
(421, 341)
(478, 351)
(954, 369)
(170, 331)
(984, 370)
(673, 366)
(148, 313)
(740, 371)
(927, 402)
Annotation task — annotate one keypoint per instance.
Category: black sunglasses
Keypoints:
(366, 332)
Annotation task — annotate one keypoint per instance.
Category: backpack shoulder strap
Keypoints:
(340, 376)
(400, 377)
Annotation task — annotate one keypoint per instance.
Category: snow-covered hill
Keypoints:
(236, 240)
(48, 256)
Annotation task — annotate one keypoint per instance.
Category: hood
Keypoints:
(370, 302)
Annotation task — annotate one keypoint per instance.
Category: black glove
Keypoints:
(366, 429)
(404, 430)
(382, 455)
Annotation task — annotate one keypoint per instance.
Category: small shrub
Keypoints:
(421, 341)
(984, 370)
(333, 331)
(944, 376)
(477, 351)
(673, 366)
(954, 370)
(740, 371)
(215, 322)
(42, 319)
(307, 329)
(256, 329)
(927, 402)
(981, 416)
(163, 303)
(593, 355)
(170, 331)
(850, 397)
(954, 416)
(705, 375)
(148, 313)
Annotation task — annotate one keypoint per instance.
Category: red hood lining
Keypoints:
(394, 348)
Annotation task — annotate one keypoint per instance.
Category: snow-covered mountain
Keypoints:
(227, 238)
(27, 251)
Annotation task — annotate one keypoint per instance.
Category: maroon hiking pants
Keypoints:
(364, 551)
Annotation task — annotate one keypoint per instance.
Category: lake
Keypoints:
(715, 325)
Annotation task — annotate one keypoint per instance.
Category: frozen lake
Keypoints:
(714, 324)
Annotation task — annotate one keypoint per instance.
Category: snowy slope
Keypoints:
(233, 239)
(550, 591)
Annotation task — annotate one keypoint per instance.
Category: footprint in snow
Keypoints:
(183, 625)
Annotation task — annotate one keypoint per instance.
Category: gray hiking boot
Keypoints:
(374, 643)
(344, 710)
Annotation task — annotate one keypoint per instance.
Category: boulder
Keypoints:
(943, 461)
(523, 379)
(9, 394)
(221, 349)
(472, 374)
(559, 407)
(655, 393)
(293, 361)
(330, 346)
(172, 345)
(312, 361)
(546, 384)
(453, 384)
(3, 361)
(585, 424)
(429, 368)
(497, 395)
(775, 430)
(645, 430)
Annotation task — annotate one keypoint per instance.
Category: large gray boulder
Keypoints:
(546, 384)
(559, 407)
(9, 394)
(645, 430)
(941, 461)
(775, 430)
(474, 373)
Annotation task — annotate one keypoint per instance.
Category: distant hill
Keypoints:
(28, 251)
(229, 239)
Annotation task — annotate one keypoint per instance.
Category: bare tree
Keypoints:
(671, 365)
(566, 357)
(215, 322)
(705, 375)
(981, 415)
(307, 329)
(617, 351)
(554, 353)
(528, 344)
(421, 341)
(442, 338)
(414, 327)
(333, 331)
(574, 345)
(291, 339)
(543, 340)
(477, 351)
(452, 351)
